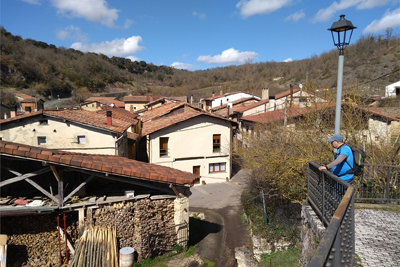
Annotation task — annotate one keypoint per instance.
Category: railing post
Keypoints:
(388, 186)
(323, 195)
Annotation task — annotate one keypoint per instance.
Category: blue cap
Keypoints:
(336, 137)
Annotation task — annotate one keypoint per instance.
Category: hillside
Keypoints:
(46, 70)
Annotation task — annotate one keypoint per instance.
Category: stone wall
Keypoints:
(312, 231)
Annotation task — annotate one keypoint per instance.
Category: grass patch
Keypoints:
(387, 207)
(209, 263)
(287, 258)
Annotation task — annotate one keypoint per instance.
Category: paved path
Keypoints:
(377, 237)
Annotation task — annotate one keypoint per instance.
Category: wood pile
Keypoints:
(96, 247)
(33, 240)
(139, 222)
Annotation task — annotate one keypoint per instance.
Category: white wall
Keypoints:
(59, 135)
(233, 97)
(390, 90)
(194, 139)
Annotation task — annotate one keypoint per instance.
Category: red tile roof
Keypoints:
(157, 119)
(80, 116)
(121, 113)
(106, 101)
(234, 103)
(280, 113)
(223, 95)
(101, 163)
(286, 93)
(140, 99)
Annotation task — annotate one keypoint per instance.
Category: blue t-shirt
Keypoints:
(343, 167)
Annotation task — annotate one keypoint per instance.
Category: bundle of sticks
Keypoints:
(96, 247)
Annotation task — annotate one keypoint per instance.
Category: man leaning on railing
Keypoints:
(342, 165)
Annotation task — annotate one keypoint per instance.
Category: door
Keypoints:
(196, 170)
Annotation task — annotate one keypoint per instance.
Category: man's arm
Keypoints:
(337, 161)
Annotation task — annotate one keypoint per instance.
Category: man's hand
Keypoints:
(322, 168)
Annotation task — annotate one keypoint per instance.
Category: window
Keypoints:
(81, 139)
(43, 122)
(217, 167)
(216, 143)
(163, 146)
(41, 140)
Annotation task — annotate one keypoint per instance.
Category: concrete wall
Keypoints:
(231, 98)
(59, 135)
(135, 106)
(190, 144)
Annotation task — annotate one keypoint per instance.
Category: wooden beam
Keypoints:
(53, 168)
(38, 187)
(23, 177)
(77, 189)
(175, 191)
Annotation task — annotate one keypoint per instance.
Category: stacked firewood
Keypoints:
(141, 222)
(33, 240)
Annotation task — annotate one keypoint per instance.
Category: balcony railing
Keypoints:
(333, 201)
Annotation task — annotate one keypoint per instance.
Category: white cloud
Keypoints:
(201, 16)
(117, 47)
(183, 56)
(288, 60)
(252, 7)
(327, 13)
(92, 10)
(389, 20)
(229, 56)
(72, 32)
(33, 2)
(296, 16)
(183, 66)
(132, 58)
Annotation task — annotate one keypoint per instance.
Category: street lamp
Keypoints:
(341, 40)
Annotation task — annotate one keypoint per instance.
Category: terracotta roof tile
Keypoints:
(105, 163)
(140, 99)
(286, 93)
(106, 101)
(234, 103)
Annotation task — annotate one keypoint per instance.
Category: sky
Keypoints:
(197, 34)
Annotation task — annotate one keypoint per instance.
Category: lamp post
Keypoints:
(341, 40)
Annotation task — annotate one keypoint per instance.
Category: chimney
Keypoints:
(191, 99)
(242, 104)
(220, 92)
(13, 111)
(109, 117)
(264, 93)
(213, 94)
(28, 109)
(227, 110)
(131, 109)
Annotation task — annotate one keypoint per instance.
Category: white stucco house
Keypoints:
(392, 90)
(184, 137)
(222, 99)
(103, 132)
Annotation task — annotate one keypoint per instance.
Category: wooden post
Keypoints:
(81, 221)
(3, 250)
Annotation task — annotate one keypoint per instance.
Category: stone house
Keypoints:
(46, 188)
(29, 103)
(111, 132)
(187, 138)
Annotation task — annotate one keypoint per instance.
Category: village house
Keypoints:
(103, 101)
(111, 132)
(49, 189)
(376, 128)
(185, 137)
(164, 100)
(222, 99)
(137, 103)
(392, 90)
(29, 103)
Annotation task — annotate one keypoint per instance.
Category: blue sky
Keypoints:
(196, 34)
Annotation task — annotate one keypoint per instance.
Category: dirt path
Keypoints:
(223, 229)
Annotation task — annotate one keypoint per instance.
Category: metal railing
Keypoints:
(379, 183)
(333, 201)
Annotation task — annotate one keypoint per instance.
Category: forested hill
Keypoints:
(371, 62)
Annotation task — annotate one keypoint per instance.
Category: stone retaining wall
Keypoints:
(312, 231)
